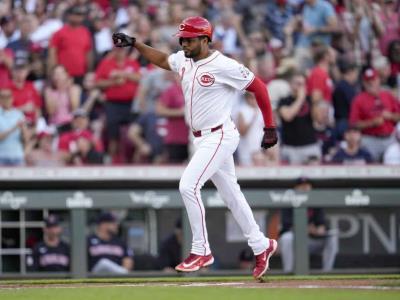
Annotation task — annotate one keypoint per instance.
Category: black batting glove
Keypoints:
(270, 138)
(122, 40)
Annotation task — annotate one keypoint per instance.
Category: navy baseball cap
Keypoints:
(106, 217)
(52, 221)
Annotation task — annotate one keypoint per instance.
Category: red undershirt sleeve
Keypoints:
(258, 88)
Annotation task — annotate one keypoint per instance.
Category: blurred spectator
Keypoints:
(343, 95)
(52, 254)
(319, 82)
(12, 131)
(278, 14)
(170, 254)
(321, 240)
(299, 142)
(317, 23)
(145, 138)
(246, 259)
(85, 153)
(382, 65)
(107, 253)
(322, 123)
(22, 47)
(6, 64)
(376, 113)
(351, 152)
(71, 46)
(392, 153)
(169, 19)
(43, 152)
(9, 32)
(250, 125)
(92, 99)
(360, 22)
(388, 27)
(172, 107)
(68, 141)
(279, 87)
(61, 98)
(144, 134)
(118, 76)
(26, 97)
(394, 59)
(102, 36)
(274, 39)
(226, 33)
(48, 22)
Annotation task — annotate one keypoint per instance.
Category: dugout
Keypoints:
(362, 201)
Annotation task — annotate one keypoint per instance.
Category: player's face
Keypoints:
(303, 187)
(112, 228)
(53, 232)
(191, 46)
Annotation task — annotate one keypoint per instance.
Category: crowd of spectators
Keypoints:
(68, 97)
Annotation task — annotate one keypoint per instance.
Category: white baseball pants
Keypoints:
(213, 159)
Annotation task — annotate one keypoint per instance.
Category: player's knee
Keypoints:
(185, 187)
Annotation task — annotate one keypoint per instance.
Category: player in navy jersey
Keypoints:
(51, 254)
(107, 253)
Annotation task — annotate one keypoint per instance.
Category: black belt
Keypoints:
(202, 132)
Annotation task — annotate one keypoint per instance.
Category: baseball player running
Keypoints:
(210, 81)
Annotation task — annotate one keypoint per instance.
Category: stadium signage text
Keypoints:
(150, 198)
(79, 200)
(15, 202)
(290, 197)
(357, 198)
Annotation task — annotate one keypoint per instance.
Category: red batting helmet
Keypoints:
(195, 27)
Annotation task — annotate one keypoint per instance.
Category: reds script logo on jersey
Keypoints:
(206, 79)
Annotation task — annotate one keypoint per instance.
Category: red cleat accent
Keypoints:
(262, 260)
(195, 262)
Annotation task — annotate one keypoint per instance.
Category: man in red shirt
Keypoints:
(319, 82)
(375, 112)
(118, 76)
(26, 98)
(71, 46)
(67, 143)
(171, 105)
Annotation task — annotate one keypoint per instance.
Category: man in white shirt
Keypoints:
(210, 81)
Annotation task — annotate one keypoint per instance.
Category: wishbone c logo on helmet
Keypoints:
(194, 27)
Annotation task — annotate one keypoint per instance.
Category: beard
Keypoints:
(192, 53)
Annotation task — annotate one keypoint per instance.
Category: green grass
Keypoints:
(159, 292)
(193, 293)
(392, 277)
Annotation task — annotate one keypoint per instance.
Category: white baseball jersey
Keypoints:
(209, 85)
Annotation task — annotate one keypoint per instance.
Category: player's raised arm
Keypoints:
(260, 92)
(153, 55)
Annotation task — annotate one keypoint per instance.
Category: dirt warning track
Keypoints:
(362, 284)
